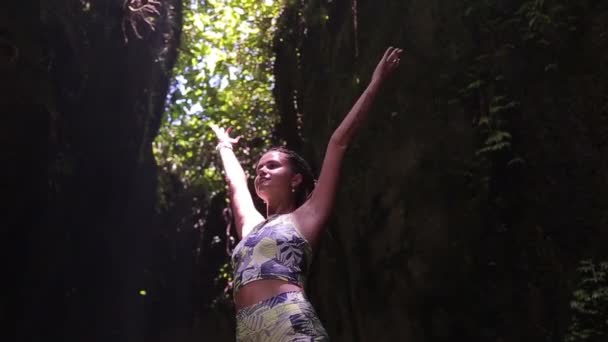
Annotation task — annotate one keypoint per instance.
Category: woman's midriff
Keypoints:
(260, 290)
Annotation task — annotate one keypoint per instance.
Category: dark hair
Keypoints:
(299, 165)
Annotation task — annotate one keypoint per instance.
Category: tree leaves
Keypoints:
(223, 76)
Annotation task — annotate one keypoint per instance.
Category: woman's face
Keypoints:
(274, 177)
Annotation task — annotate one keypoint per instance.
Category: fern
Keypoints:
(589, 305)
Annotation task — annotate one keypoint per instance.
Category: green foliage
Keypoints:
(491, 125)
(223, 76)
(224, 280)
(535, 29)
(589, 305)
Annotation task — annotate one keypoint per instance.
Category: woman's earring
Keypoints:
(293, 189)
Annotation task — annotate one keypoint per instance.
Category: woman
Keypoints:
(273, 257)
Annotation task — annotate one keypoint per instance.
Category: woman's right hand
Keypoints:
(223, 136)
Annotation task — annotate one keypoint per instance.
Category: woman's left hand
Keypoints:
(387, 65)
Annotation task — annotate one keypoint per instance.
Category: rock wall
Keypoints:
(87, 106)
(430, 240)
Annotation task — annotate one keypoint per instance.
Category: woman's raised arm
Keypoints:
(246, 215)
(313, 214)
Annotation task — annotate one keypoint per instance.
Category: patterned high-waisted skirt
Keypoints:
(286, 317)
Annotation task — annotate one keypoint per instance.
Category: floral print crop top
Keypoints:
(274, 249)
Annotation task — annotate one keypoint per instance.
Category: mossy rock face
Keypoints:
(431, 238)
(88, 104)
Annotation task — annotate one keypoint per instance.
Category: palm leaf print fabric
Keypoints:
(274, 249)
(285, 317)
